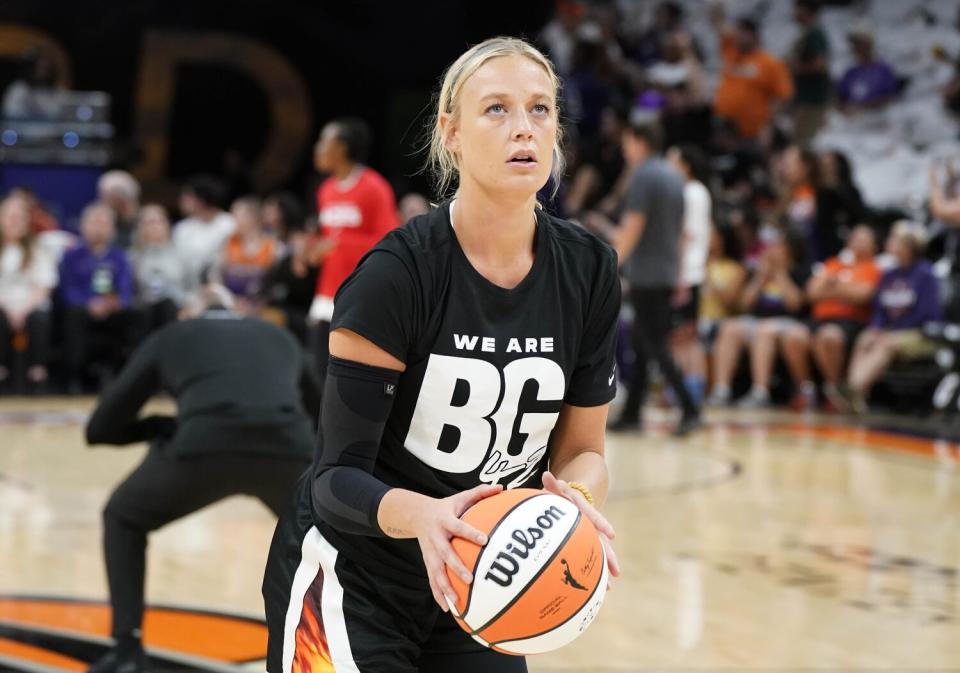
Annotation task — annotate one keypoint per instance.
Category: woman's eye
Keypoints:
(496, 107)
(540, 108)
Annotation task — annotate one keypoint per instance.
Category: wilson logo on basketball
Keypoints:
(506, 565)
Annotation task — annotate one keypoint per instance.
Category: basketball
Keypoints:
(539, 581)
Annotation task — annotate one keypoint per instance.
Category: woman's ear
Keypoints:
(448, 131)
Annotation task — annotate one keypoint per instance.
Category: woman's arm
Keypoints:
(729, 295)
(399, 513)
(576, 455)
(792, 295)
(576, 448)
(751, 291)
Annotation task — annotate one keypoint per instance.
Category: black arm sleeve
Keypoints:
(115, 420)
(357, 400)
(310, 385)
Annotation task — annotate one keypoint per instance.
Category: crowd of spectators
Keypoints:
(807, 292)
(73, 306)
(792, 286)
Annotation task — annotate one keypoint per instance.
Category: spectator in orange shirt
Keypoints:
(753, 82)
(840, 293)
(247, 255)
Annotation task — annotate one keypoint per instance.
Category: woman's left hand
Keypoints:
(561, 488)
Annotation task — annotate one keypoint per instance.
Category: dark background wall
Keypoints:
(375, 59)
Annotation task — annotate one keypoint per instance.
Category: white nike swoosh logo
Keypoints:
(610, 380)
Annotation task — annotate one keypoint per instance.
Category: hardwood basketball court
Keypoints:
(768, 541)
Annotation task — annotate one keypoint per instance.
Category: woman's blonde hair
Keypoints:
(441, 161)
(912, 233)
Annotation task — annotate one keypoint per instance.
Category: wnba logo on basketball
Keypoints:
(505, 564)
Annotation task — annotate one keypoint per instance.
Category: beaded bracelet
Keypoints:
(584, 491)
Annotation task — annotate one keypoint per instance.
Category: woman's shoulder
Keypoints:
(421, 236)
(585, 247)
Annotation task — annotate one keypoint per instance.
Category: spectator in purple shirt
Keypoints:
(870, 83)
(96, 285)
(907, 297)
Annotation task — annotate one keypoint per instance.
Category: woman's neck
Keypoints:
(496, 234)
(494, 230)
(344, 171)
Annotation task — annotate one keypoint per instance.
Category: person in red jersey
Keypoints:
(356, 208)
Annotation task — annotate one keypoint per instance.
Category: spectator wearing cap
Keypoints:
(809, 65)
(202, 234)
(753, 82)
(907, 297)
(870, 83)
(121, 191)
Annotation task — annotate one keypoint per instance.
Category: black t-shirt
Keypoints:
(488, 369)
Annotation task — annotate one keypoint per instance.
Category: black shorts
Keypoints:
(850, 329)
(688, 311)
(321, 608)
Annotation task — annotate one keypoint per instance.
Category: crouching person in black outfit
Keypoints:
(245, 398)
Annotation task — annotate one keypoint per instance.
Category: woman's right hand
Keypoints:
(435, 523)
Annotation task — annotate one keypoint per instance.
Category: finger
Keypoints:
(613, 563)
(459, 528)
(453, 561)
(435, 585)
(551, 483)
(468, 499)
(598, 520)
(561, 487)
(443, 582)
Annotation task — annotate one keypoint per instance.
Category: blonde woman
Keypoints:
(471, 350)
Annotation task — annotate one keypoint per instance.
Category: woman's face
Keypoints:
(329, 150)
(14, 219)
(247, 219)
(154, 226)
(506, 128)
(777, 255)
(794, 172)
(861, 242)
(900, 249)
